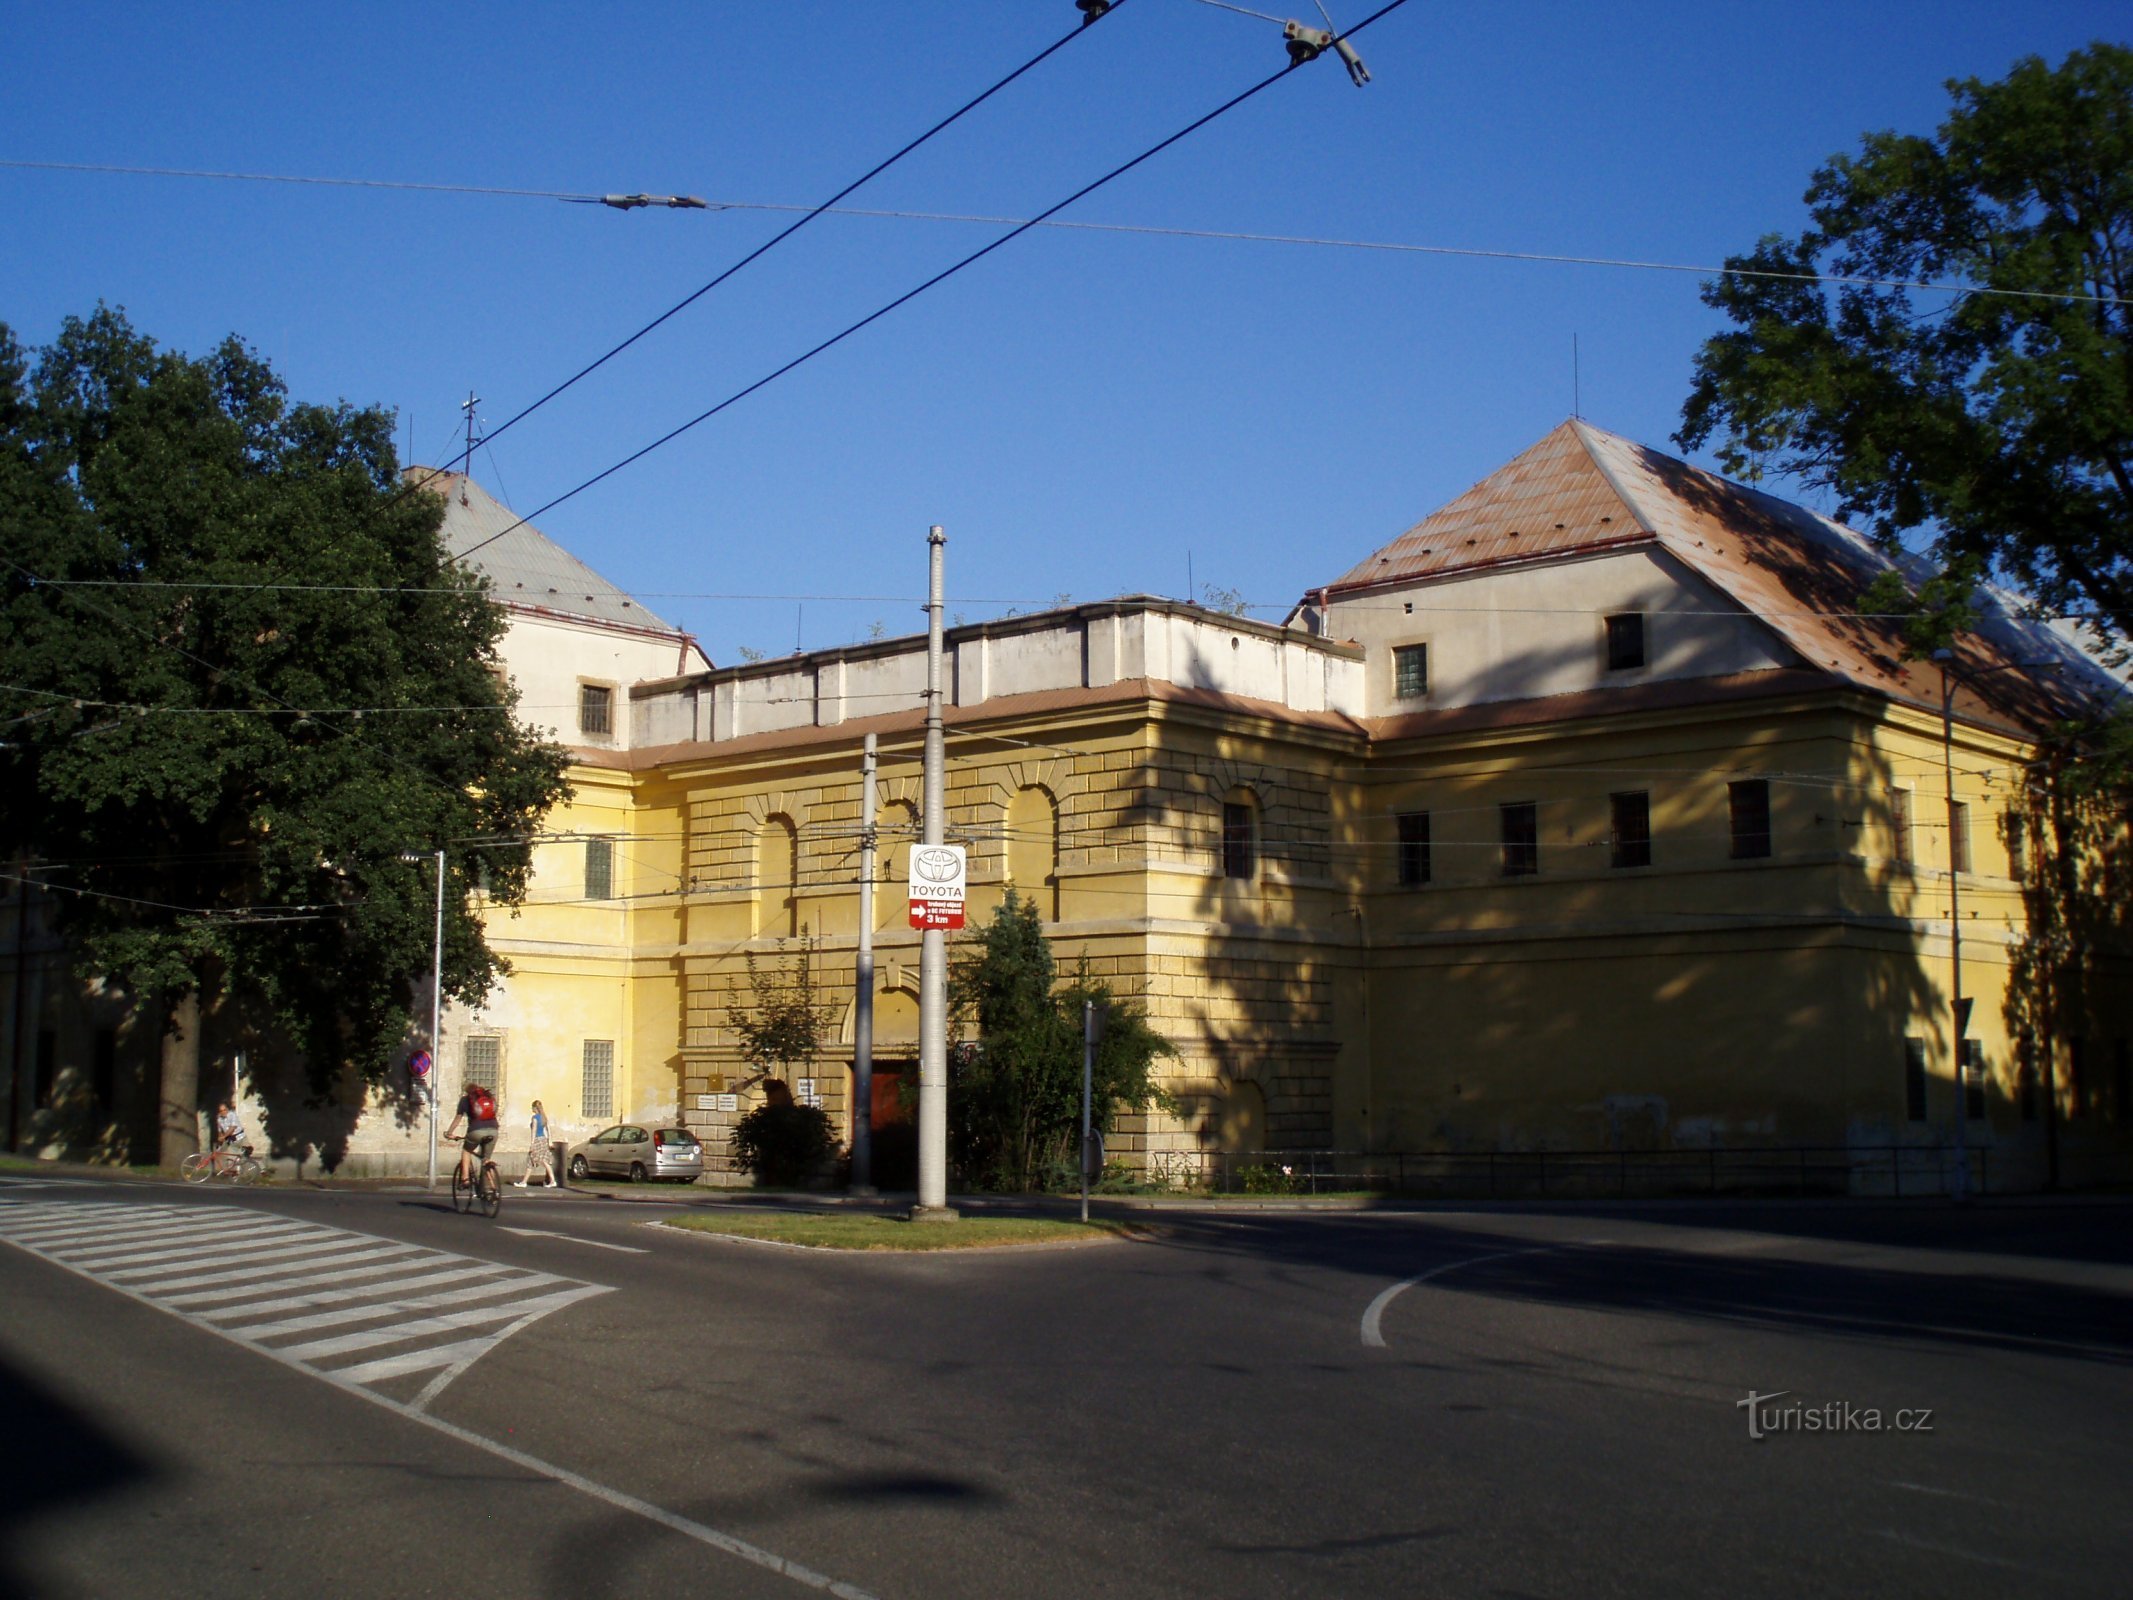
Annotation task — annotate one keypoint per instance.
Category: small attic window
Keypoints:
(1625, 641)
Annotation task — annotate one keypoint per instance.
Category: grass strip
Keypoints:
(872, 1231)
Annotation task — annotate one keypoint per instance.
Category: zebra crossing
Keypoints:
(399, 1320)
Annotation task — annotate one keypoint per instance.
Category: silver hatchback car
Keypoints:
(640, 1154)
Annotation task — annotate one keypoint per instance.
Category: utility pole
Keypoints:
(933, 942)
(436, 1009)
(863, 988)
(1093, 1017)
(466, 466)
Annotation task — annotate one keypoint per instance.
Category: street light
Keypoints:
(436, 1005)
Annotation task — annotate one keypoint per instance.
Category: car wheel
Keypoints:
(578, 1168)
(636, 1172)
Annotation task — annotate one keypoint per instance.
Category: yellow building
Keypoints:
(1585, 816)
(1584, 820)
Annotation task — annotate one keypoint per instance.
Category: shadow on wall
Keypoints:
(1623, 1055)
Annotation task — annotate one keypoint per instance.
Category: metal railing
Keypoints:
(1893, 1171)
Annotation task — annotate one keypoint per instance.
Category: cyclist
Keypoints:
(229, 1128)
(477, 1109)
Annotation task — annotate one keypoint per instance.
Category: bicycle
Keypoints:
(485, 1190)
(237, 1165)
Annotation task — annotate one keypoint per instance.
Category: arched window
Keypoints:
(1033, 850)
(1240, 835)
(896, 827)
(777, 877)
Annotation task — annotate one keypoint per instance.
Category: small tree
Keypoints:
(783, 1026)
(1014, 1111)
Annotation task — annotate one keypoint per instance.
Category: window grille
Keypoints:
(1521, 838)
(1959, 837)
(595, 708)
(1237, 851)
(1900, 825)
(1974, 1080)
(599, 869)
(1410, 671)
(1625, 641)
(1632, 828)
(1748, 806)
(1414, 848)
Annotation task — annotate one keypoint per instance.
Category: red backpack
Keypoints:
(481, 1103)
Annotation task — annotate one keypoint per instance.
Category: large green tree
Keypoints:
(1998, 419)
(240, 678)
(1014, 1103)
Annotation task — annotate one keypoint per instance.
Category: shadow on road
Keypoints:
(57, 1459)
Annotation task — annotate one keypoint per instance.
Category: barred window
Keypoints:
(599, 869)
(597, 1092)
(595, 708)
(481, 1060)
(1237, 843)
(1521, 838)
(1748, 807)
(1959, 837)
(1410, 671)
(1900, 825)
(1974, 1079)
(1632, 828)
(1414, 848)
(1625, 641)
(2017, 847)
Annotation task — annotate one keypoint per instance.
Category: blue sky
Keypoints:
(1084, 412)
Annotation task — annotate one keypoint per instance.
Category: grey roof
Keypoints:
(524, 566)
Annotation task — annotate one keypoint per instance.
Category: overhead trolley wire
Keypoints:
(912, 294)
(782, 235)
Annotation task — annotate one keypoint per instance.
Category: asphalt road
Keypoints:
(202, 1386)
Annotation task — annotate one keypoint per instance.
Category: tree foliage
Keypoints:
(782, 1024)
(217, 773)
(1999, 419)
(1014, 1104)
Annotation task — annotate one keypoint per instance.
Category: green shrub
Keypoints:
(1271, 1180)
(783, 1145)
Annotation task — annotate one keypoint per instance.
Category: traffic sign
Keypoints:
(937, 879)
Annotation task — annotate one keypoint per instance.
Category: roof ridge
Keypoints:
(1584, 431)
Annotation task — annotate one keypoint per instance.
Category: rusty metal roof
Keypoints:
(1582, 490)
(1550, 500)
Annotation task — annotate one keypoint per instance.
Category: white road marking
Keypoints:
(333, 1253)
(361, 1291)
(28, 1224)
(597, 1244)
(1374, 1337)
(1948, 1494)
(1958, 1552)
(232, 1271)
